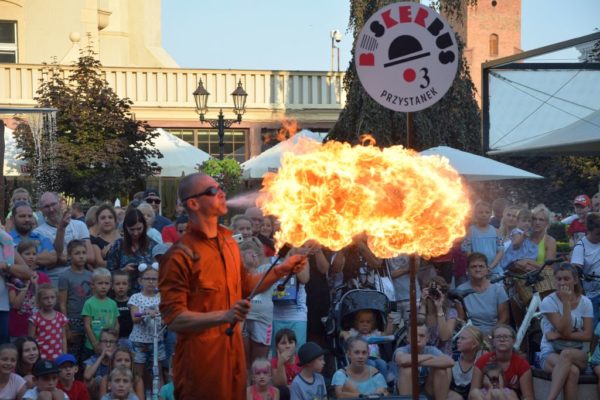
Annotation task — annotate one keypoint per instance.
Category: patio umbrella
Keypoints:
(477, 168)
(270, 160)
(179, 157)
(13, 166)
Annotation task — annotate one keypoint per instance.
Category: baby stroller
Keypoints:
(342, 316)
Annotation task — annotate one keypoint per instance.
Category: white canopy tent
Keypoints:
(270, 160)
(12, 165)
(476, 168)
(582, 137)
(179, 157)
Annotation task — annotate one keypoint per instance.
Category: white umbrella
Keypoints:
(477, 168)
(179, 157)
(270, 160)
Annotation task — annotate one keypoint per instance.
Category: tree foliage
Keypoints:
(453, 121)
(226, 172)
(101, 150)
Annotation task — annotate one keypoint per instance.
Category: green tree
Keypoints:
(226, 172)
(453, 121)
(100, 149)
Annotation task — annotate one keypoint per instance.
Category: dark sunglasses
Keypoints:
(211, 191)
(155, 201)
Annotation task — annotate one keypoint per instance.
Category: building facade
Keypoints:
(136, 66)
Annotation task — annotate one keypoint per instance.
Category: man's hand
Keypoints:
(64, 221)
(293, 264)
(238, 312)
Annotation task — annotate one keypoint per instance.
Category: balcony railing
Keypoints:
(172, 88)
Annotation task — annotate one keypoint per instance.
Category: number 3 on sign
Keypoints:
(425, 77)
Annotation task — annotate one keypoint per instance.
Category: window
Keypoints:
(8, 42)
(208, 140)
(493, 45)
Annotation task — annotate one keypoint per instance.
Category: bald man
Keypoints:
(203, 286)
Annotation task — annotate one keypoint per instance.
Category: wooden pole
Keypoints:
(414, 356)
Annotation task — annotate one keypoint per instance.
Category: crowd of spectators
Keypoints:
(80, 304)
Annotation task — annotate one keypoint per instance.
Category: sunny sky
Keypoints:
(295, 35)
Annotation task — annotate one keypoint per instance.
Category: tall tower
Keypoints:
(491, 30)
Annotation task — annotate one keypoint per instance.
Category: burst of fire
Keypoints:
(289, 127)
(404, 202)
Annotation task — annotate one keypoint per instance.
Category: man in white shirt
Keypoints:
(586, 254)
(61, 229)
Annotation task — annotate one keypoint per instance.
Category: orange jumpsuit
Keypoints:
(202, 275)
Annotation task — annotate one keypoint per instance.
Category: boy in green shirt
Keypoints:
(99, 311)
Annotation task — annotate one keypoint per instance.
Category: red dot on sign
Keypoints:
(409, 75)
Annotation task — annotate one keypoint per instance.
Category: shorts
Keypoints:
(144, 352)
(258, 331)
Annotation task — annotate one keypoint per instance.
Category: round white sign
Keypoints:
(406, 56)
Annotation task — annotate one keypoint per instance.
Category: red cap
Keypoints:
(582, 200)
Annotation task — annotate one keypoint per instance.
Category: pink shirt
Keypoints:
(48, 334)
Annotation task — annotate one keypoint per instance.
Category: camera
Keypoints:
(238, 238)
(434, 292)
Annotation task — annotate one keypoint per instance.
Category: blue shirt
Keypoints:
(43, 243)
(368, 386)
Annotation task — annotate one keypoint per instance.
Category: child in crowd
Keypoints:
(595, 359)
(576, 229)
(48, 326)
(309, 384)
(493, 385)
(121, 297)
(365, 326)
(167, 392)
(433, 366)
(262, 387)
(22, 298)
(99, 311)
(483, 237)
(13, 386)
(258, 325)
(123, 358)
(285, 363)
(121, 382)
(45, 377)
(144, 313)
(242, 225)
(74, 288)
(96, 367)
(67, 366)
(28, 355)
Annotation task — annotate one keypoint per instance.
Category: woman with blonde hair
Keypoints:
(470, 344)
(150, 216)
(509, 222)
(540, 221)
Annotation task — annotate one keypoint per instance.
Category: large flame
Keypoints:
(289, 127)
(404, 202)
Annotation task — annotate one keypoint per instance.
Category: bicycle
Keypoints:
(158, 331)
(531, 279)
(459, 296)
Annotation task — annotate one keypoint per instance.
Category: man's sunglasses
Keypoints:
(211, 191)
(153, 201)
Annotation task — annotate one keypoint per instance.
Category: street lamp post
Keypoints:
(336, 37)
(239, 108)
